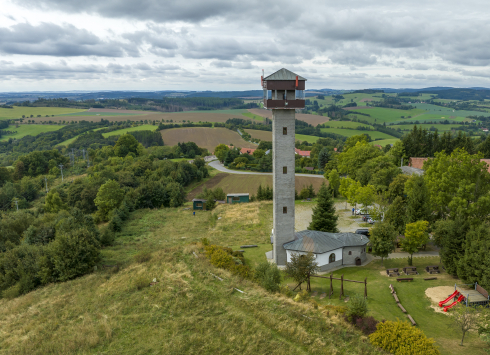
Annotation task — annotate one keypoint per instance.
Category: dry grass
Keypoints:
(236, 183)
(186, 312)
(205, 137)
(245, 214)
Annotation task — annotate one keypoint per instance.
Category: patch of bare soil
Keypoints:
(437, 294)
(210, 184)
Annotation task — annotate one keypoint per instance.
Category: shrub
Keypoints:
(268, 275)
(220, 258)
(142, 257)
(357, 308)
(302, 296)
(115, 224)
(337, 309)
(367, 324)
(401, 338)
(107, 238)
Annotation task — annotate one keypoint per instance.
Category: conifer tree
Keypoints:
(324, 218)
(323, 158)
(418, 208)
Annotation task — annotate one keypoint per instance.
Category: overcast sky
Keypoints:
(50, 45)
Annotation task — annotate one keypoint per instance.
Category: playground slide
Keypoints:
(454, 294)
(460, 298)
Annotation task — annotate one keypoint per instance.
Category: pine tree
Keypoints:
(324, 218)
(260, 193)
(323, 158)
(418, 208)
(396, 215)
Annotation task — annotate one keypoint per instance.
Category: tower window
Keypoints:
(284, 169)
(284, 131)
(284, 210)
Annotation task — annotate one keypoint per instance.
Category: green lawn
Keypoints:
(18, 111)
(381, 114)
(432, 117)
(29, 129)
(445, 111)
(253, 117)
(354, 132)
(381, 303)
(346, 124)
(348, 98)
(439, 127)
(384, 142)
(145, 127)
(304, 137)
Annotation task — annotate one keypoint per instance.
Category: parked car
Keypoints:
(363, 231)
(371, 221)
(365, 217)
(362, 211)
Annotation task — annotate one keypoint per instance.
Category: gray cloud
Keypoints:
(60, 41)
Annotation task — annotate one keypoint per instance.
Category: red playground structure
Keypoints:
(454, 294)
(460, 298)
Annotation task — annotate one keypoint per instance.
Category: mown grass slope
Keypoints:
(18, 111)
(29, 129)
(188, 311)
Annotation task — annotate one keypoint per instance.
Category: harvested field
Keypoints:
(114, 110)
(314, 120)
(262, 135)
(236, 183)
(205, 137)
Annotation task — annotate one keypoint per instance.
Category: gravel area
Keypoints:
(345, 223)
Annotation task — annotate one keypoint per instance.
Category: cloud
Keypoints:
(60, 41)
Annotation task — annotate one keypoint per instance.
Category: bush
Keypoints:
(268, 276)
(115, 224)
(107, 238)
(357, 308)
(401, 338)
(336, 309)
(141, 282)
(142, 257)
(302, 296)
(367, 324)
(221, 259)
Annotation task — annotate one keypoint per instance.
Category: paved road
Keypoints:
(218, 166)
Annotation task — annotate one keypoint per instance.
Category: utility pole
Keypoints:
(46, 183)
(61, 167)
(17, 204)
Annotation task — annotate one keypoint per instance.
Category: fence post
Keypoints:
(365, 287)
(331, 287)
(341, 286)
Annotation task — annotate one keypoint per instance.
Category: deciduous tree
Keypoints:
(301, 267)
(415, 236)
(382, 239)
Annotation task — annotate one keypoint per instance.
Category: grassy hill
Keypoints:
(29, 129)
(188, 311)
(354, 132)
(18, 111)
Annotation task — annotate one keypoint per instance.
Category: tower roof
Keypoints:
(284, 74)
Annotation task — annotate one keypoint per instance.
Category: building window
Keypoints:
(350, 253)
(284, 210)
(331, 258)
(284, 130)
(236, 198)
(284, 169)
(198, 204)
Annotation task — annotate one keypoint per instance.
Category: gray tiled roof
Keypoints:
(408, 170)
(321, 242)
(231, 195)
(283, 74)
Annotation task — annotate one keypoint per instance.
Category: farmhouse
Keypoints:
(247, 151)
(302, 153)
(331, 250)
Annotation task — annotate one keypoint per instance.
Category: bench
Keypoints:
(396, 298)
(409, 279)
(430, 278)
(412, 273)
(393, 274)
(248, 246)
(401, 307)
(409, 269)
(411, 319)
(434, 272)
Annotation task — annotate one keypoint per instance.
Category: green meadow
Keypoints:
(29, 130)
(145, 127)
(354, 132)
(18, 111)
(439, 127)
(253, 117)
(384, 142)
(346, 124)
(380, 114)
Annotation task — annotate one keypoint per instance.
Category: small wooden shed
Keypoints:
(237, 198)
(198, 204)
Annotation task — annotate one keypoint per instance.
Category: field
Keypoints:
(440, 127)
(354, 132)
(380, 114)
(18, 111)
(236, 183)
(145, 127)
(304, 137)
(346, 124)
(253, 116)
(431, 117)
(205, 137)
(29, 129)
(384, 142)
(314, 120)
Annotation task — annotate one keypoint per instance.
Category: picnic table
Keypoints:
(409, 269)
(389, 271)
(432, 269)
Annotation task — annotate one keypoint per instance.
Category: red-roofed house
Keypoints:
(247, 151)
(302, 153)
(417, 163)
